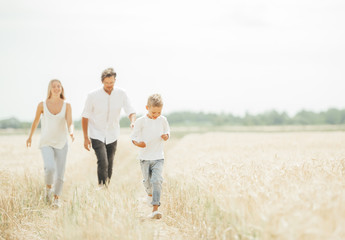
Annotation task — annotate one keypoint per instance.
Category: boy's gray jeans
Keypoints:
(152, 174)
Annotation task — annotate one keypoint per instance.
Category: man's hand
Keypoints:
(139, 144)
(165, 137)
(87, 144)
(132, 118)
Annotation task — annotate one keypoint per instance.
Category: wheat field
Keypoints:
(235, 185)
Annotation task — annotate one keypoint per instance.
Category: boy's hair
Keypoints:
(108, 73)
(155, 100)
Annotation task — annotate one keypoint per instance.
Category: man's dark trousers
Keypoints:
(105, 157)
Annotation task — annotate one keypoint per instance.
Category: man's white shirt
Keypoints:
(150, 131)
(103, 111)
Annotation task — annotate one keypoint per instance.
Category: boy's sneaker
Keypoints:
(155, 215)
(48, 195)
(56, 203)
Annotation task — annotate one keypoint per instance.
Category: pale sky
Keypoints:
(231, 56)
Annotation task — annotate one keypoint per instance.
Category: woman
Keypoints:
(56, 123)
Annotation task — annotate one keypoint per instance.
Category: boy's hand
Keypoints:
(139, 144)
(165, 137)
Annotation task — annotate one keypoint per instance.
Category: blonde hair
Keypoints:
(50, 86)
(155, 100)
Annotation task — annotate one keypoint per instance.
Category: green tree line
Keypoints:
(330, 117)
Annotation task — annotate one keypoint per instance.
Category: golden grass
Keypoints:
(217, 186)
(262, 186)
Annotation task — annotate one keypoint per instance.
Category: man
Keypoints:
(101, 123)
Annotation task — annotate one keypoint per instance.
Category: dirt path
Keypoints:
(126, 174)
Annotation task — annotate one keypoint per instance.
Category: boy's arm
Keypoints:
(166, 130)
(135, 135)
(139, 144)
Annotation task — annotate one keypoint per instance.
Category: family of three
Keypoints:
(101, 128)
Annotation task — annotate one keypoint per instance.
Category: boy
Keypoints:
(149, 133)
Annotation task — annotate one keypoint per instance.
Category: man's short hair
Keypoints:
(108, 73)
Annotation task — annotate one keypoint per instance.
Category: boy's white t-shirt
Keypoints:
(150, 131)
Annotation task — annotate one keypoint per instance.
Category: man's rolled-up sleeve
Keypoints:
(127, 106)
(87, 108)
(136, 132)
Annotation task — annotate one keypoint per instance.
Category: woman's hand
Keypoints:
(28, 142)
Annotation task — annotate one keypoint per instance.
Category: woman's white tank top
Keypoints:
(53, 128)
